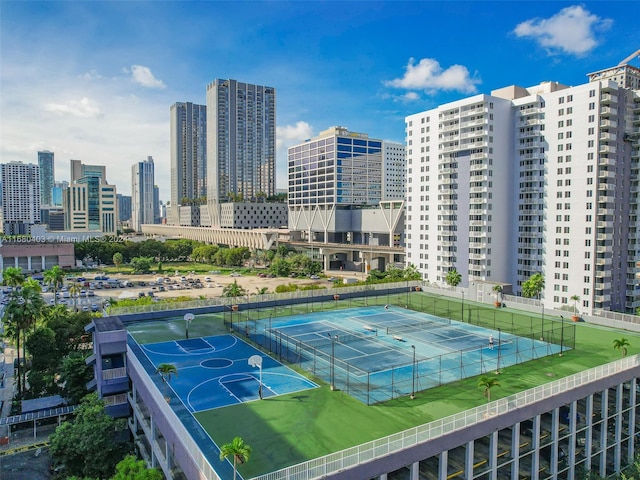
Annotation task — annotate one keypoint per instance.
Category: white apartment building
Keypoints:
(527, 180)
(20, 197)
(90, 205)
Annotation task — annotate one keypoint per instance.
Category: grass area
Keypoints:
(293, 428)
(170, 268)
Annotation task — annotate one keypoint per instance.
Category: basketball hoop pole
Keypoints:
(256, 361)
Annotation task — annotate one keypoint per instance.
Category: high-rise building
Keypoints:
(530, 180)
(47, 176)
(142, 194)
(20, 197)
(56, 194)
(336, 176)
(156, 204)
(188, 154)
(124, 207)
(241, 143)
(80, 170)
(89, 202)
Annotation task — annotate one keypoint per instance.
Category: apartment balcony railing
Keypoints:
(113, 373)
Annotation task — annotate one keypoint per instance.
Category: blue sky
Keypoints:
(94, 81)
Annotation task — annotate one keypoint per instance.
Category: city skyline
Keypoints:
(99, 83)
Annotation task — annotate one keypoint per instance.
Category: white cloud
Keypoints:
(429, 76)
(90, 75)
(83, 108)
(144, 77)
(291, 134)
(572, 30)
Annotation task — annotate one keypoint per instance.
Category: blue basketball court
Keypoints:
(215, 372)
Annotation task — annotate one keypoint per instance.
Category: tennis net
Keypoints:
(411, 327)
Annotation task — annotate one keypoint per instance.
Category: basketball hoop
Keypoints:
(256, 361)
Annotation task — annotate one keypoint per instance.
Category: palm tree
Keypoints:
(74, 291)
(498, 289)
(237, 449)
(55, 279)
(166, 370)
(233, 290)
(453, 277)
(621, 344)
(12, 277)
(488, 383)
(21, 315)
(575, 299)
(262, 290)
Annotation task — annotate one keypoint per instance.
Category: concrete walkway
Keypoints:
(6, 380)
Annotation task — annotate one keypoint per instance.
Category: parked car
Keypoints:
(207, 278)
(94, 307)
(314, 277)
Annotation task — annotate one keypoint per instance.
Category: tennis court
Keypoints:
(215, 372)
(378, 353)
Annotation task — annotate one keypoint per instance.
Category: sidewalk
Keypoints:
(6, 380)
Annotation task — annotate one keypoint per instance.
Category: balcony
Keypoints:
(606, 174)
(474, 123)
(530, 111)
(606, 162)
(608, 123)
(478, 189)
(608, 111)
(113, 373)
(607, 149)
(605, 211)
(607, 137)
(607, 99)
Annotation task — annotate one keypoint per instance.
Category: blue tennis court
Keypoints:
(378, 353)
(214, 372)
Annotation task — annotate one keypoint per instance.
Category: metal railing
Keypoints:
(366, 452)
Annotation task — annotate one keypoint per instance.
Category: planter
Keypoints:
(575, 318)
(497, 304)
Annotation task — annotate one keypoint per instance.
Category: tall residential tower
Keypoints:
(143, 208)
(241, 143)
(47, 176)
(188, 156)
(530, 180)
(20, 197)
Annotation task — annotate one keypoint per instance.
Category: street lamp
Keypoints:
(332, 371)
(413, 374)
(462, 292)
(188, 318)
(270, 315)
(499, 344)
(542, 334)
(561, 334)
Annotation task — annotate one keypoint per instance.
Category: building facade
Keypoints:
(143, 205)
(90, 206)
(20, 197)
(80, 170)
(347, 188)
(47, 176)
(241, 143)
(188, 154)
(124, 207)
(530, 180)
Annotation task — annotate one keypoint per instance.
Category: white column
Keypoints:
(29, 262)
(468, 460)
(443, 465)
(414, 470)
(44, 262)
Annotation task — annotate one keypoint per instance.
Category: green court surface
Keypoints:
(293, 428)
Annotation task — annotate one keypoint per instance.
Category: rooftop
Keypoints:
(294, 428)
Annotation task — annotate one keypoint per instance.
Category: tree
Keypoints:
(74, 291)
(498, 289)
(262, 290)
(87, 445)
(487, 383)
(54, 278)
(453, 277)
(575, 299)
(12, 277)
(166, 371)
(237, 449)
(233, 290)
(130, 468)
(21, 315)
(74, 375)
(533, 286)
(141, 264)
(118, 258)
(621, 344)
